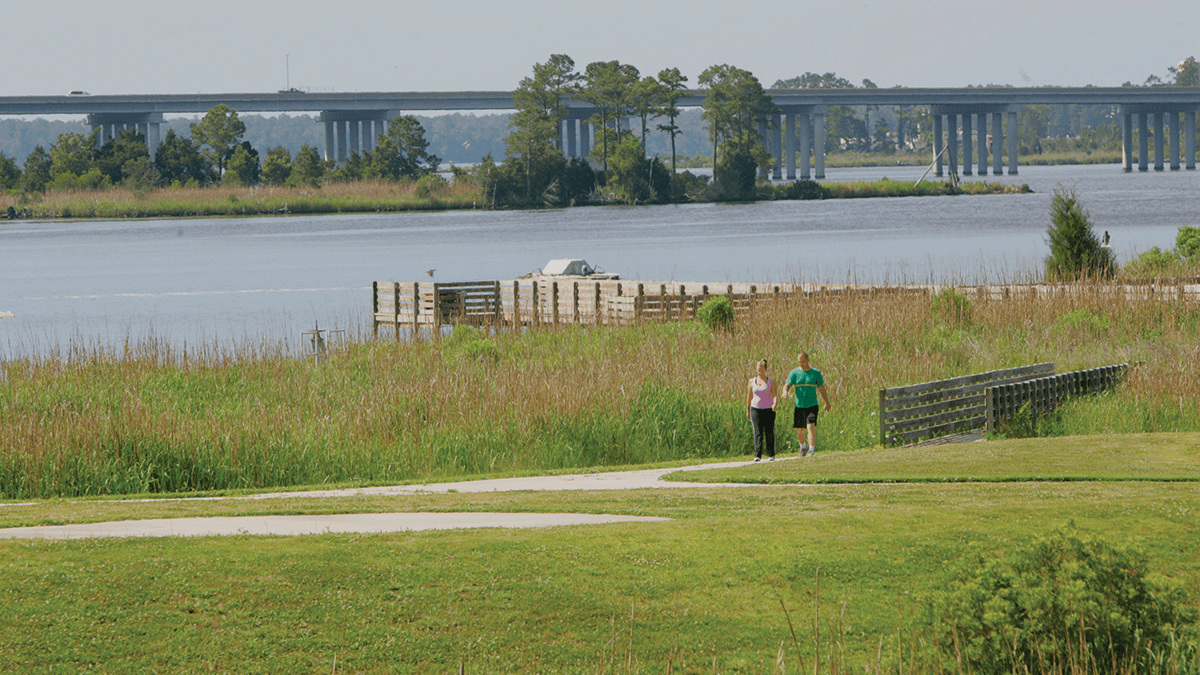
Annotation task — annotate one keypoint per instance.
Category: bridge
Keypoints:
(353, 120)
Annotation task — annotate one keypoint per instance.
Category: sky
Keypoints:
(233, 46)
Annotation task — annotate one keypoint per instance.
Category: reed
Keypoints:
(357, 197)
(151, 418)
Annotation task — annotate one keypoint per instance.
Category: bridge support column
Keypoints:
(805, 144)
(938, 144)
(572, 138)
(967, 141)
(585, 139)
(776, 147)
(110, 125)
(1127, 142)
(1158, 140)
(952, 140)
(997, 144)
(819, 143)
(789, 123)
(1189, 133)
(762, 131)
(1173, 122)
(1143, 142)
(340, 132)
(1012, 143)
(353, 128)
(981, 143)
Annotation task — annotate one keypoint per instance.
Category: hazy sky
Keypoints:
(227, 46)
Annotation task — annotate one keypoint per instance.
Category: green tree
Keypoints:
(308, 168)
(37, 170)
(138, 174)
(1187, 73)
(10, 173)
(178, 161)
(277, 166)
(541, 106)
(243, 166)
(673, 90)
(1075, 252)
(734, 108)
(607, 85)
(220, 130)
(111, 157)
(403, 151)
(72, 153)
(645, 102)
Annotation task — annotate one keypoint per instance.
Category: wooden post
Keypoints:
(638, 302)
(375, 308)
(396, 308)
(554, 301)
(574, 302)
(516, 305)
(437, 312)
(596, 309)
(882, 426)
(416, 311)
(536, 319)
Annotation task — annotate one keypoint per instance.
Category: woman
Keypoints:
(760, 410)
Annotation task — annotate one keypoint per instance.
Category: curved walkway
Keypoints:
(387, 522)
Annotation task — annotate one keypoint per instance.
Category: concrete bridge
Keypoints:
(353, 120)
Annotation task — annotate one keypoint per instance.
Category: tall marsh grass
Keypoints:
(357, 197)
(154, 419)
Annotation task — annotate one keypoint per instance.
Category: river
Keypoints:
(234, 279)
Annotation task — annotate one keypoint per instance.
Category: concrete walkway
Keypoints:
(386, 522)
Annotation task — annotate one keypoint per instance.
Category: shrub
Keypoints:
(1066, 603)
(1187, 242)
(951, 307)
(1153, 263)
(716, 312)
(1075, 252)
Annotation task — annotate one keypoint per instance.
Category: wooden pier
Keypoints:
(536, 302)
(412, 307)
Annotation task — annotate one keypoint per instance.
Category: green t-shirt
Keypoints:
(806, 383)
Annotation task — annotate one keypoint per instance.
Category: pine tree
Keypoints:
(1075, 252)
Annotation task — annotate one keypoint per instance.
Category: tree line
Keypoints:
(214, 153)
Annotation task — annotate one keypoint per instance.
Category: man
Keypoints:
(807, 382)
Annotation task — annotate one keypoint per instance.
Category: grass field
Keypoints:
(854, 543)
(853, 564)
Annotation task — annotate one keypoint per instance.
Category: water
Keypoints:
(235, 279)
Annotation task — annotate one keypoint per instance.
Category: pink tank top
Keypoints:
(761, 394)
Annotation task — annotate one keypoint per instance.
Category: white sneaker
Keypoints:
(757, 458)
(771, 458)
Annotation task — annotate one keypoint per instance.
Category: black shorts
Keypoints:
(804, 417)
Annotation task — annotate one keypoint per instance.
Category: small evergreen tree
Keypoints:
(1075, 252)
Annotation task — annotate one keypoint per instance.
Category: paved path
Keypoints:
(386, 522)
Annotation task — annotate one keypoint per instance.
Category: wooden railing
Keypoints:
(412, 307)
(1044, 394)
(920, 411)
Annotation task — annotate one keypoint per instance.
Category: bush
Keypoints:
(1066, 603)
(1187, 242)
(1075, 252)
(716, 312)
(1153, 263)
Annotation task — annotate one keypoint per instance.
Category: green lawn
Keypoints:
(702, 593)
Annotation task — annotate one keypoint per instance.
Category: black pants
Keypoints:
(763, 421)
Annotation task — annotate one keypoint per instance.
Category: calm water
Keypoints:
(233, 279)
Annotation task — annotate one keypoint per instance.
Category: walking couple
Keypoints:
(761, 403)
